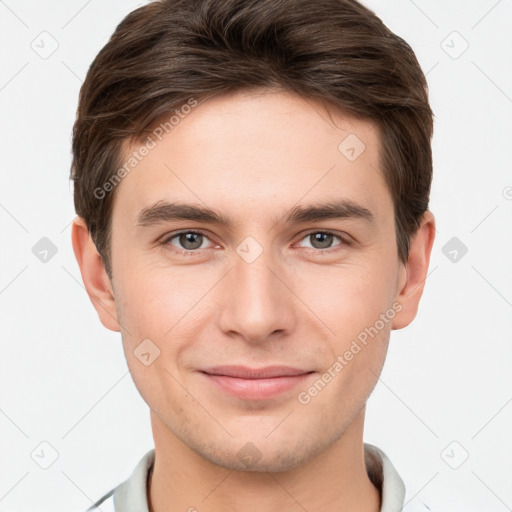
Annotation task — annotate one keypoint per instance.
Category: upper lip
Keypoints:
(244, 372)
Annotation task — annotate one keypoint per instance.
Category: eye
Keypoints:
(187, 241)
(323, 240)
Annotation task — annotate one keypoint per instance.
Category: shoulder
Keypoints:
(130, 494)
(397, 495)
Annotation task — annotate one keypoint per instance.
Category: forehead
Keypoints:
(253, 151)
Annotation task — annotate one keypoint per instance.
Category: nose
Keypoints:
(257, 301)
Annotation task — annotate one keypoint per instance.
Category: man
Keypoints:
(252, 183)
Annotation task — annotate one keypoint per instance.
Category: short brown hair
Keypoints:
(165, 53)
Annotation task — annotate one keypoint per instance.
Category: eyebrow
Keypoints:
(164, 211)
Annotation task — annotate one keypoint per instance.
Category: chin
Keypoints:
(260, 455)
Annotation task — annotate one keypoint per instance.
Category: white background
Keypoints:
(63, 376)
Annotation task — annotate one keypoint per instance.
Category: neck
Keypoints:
(334, 481)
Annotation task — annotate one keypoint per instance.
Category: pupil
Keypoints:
(191, 238)
(323, 238)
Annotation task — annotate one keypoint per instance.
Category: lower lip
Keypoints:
(257, 389)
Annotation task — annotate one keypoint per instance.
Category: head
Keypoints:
(252, 184)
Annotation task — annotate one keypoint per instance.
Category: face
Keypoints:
(274, 285)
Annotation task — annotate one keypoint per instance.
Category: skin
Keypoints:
(252, 156)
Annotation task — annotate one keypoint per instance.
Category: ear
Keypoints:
(94, 275)
(413, 274)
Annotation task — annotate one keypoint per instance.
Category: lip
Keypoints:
(255, 383)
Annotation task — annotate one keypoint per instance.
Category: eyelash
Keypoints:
(344, 241)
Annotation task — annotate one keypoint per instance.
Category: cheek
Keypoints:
(141, 306)
(347, 299)
(163, 303)
(147, 296)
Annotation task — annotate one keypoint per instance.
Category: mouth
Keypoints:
(255, 383)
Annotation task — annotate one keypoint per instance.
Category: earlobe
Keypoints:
(94, 275)
(414, 274)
